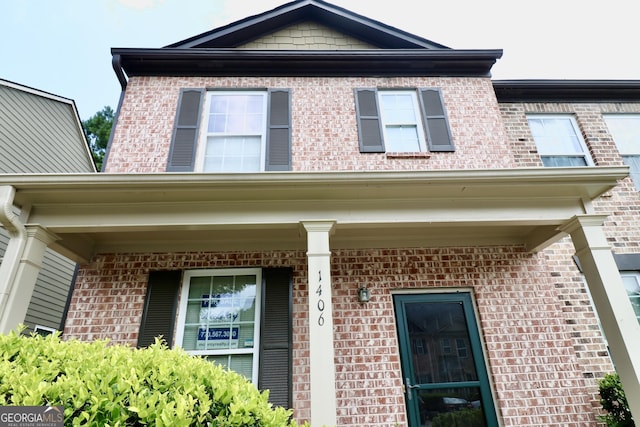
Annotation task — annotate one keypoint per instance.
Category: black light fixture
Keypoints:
(364, 295)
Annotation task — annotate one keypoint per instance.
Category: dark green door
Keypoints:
(446, 380)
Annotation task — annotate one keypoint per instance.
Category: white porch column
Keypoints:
(321, 353)
(612, 303)
(18, 276)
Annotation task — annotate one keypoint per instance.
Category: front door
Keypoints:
(446, 382)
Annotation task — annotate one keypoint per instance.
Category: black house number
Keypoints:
(320, 303)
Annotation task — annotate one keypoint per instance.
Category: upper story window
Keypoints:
(402, 127)
(219, 317)
(235, 132)
(231, 131)
(559, 141)
(405, 121)
(625, 130)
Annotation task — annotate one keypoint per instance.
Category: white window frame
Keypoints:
(46, 329)
(204, 127)
(576, 130)
(182, 313)
(635, 275)
(417, 113)
(625, 151)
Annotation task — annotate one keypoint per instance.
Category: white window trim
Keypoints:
(422, 142)
(576, 130)
(634, 274)
(204, 126)
(47, 329)
(182, 313)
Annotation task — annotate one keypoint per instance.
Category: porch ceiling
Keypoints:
(99, 213)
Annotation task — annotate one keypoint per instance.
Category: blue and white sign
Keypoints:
(209, 338)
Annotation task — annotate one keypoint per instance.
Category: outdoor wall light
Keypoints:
(364, 295)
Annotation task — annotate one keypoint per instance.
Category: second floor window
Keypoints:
(625, 130)
(235, 133)
(559, 141)
(403, 121)
(231, 131)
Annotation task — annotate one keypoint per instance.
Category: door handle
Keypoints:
(409, 387)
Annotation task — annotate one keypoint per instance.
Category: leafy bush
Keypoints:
(112, 385)
(614, 401)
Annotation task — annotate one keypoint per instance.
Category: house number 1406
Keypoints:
(320, 303)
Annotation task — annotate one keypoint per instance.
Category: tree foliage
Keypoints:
(98, 129)
(614, 401)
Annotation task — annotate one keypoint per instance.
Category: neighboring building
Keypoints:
(41, 133)
(361, 221)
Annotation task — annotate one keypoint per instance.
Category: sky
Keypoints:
(63, 46)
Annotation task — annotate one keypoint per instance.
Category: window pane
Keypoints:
(632, 286)
(402, 139)
(220, 313)
(634, 164)
(625, 131)
(398, 108)
(443, 328)
(240, 363)
(233, 154)
(451, 407)
(555, 138)
(562, 161)
(236, 130)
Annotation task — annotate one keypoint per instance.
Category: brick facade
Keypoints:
(529, 341)
(542, 340)
(325, 136)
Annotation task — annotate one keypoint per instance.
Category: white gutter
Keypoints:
(11, 259)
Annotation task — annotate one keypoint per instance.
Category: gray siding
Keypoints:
(39, 135)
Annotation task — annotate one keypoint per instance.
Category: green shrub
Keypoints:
(614, 401)
(112, 385)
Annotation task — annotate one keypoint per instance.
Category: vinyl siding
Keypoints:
(50, 295)
(42, 134)
(39, 135)
(308, 36)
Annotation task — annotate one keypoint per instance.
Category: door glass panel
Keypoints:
(451, 407)
(442, 329)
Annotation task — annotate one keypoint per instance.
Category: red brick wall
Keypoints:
(543, 344)
(623, 233)
(538, 379)
(324, 129)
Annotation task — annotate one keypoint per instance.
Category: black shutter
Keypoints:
(435, 120)
(276, 335)
(184, 140)
(160, 305)
(278, 155)
(369, 125)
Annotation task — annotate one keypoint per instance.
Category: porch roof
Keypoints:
(167, 212)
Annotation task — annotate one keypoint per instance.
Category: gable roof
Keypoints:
(360, 27)
(215, 53)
